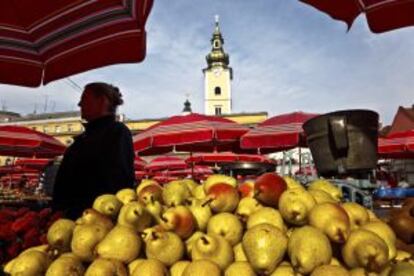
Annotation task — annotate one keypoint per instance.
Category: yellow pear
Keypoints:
(135, 216)
(264, 246)
(199, 192)
(386, 233)
(327, 186)
(202, 268)
(150, 193)
(227, 225)
(335, 261)
(308, 248)
(180, 220)
(358, 215)
(92, 216)
(126, 195)
(178, 268)
(332, 219)
(372, 216)
(325, 270)
(201, 212)
(151, 267)
(85, 238)
(295, 205)
(189, 243)
(403, 256)
(219, 179)
(365, 249)
(285, 269)
(190, 183)
(67, 264)
(266, 215)
(30, 263)
(108, 205)
(144, 183)
(175, 193)
(292, 183)
(132, 265)
(60, 233)
(9, 266)
(106, 267)
(240, 269)
(321, 196)
(360, 272)
(122, 243)
(239, 255)
(155, 209)
(402, 269)
(45, 249)
(246, 207)
(214, 248)
(164, 246)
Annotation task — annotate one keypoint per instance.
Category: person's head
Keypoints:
(99, 99)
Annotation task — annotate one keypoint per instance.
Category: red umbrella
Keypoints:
(397, 145)
(34, 163)
(16, 169)
(224, 157)
(191, 133)
(140, 175)
(139, 163)
(280, 132)
(196, 171)
(43, 40)
(166, 163)
(25, 142)
(382, 15)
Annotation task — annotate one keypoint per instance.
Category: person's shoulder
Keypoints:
(120, 127)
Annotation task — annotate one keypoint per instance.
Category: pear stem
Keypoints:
(204, 240)
(207, 202)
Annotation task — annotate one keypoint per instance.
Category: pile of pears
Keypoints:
(268, 226)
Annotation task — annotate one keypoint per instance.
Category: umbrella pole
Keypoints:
(192, 165)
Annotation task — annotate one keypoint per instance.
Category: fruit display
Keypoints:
(23, 228)
(271, 226)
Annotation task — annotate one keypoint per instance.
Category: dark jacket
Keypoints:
(100, 160)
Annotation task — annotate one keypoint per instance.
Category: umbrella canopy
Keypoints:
(382, 15)
(139, 163)
(192, 133)
(25, 142)
(34, 163)
(16, 169)
(397, 145)
(224, 157)
(44, 40)
(139, 175)
(195, 171)
(166, 163)
(281, 132)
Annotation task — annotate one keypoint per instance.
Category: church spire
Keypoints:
(217, 56)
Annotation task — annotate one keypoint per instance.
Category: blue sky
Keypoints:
(286, 57)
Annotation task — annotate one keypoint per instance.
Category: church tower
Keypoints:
(217, 77)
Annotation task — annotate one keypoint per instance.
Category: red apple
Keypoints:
(222, 197)
(268, 188)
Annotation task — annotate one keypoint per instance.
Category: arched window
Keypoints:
(217, 91)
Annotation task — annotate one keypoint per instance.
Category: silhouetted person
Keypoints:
(101, 159)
